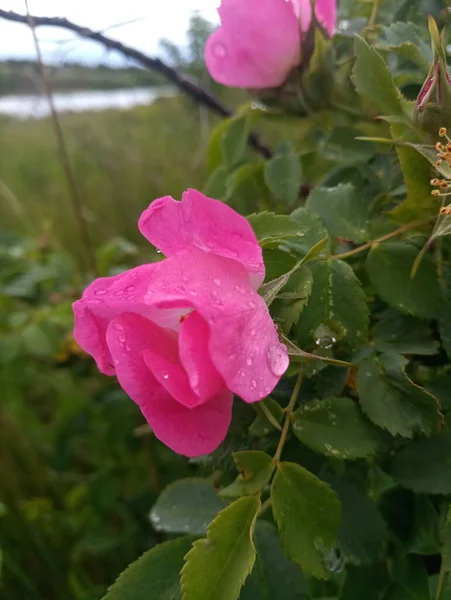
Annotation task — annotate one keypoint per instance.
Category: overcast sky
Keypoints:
(157, 19)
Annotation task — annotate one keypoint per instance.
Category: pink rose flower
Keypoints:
(260, 41)
(185, 334)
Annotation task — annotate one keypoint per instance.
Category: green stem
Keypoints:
(375, 10)
(388, 236)
(441, 582)
(288, 413)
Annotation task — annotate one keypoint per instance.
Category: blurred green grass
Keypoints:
(122, 160)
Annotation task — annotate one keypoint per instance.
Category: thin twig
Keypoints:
(64, 155)
(384, 238)
(184, 83)
(288, 413)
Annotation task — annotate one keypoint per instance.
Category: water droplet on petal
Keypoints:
(277, 359)
(119, 327)
(251, 304)
(249, 361)
(240, 289)
(231, 356)
(100, 292)
(253, 332)
(130, 288)
(217, 282)
(119, 293)
(165, 376)
(192, 292)
(253, 384)
(219, 50)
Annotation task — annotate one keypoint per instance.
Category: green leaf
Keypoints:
(310, 232)
(342, 146)
(368, 582)
(155, 575)
(404, 335)
(374, 81)
(216, 567)
(300, 356)
(417, 172)
(269, 291)
(389, 266)
(425, 537)
(255, 470)
(363, 534)
(293, 297)
(270, 413)
(342, 211)
(446, 541)
(273, 577)
(270, 228)
(216, 186)
(234, 142)
(407, 39)
(37, 341)
(392, 401)
(444, 319)
(283, 176)
(307, 513)
(411, 581)
(186, 506)
(424, 466)
(335, 427)
(337, 302)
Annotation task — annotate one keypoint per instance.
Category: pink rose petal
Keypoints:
(191, 432)
(244, 344)
(198, 222)
(194, 339)
(257, 44)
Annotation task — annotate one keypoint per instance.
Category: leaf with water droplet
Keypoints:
(255, 470)
(186, 506)
(337, 428)
(307, 512)
(337, 302)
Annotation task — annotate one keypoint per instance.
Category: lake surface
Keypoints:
(37, 106)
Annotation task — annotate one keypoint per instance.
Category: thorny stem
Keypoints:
(64, 155)
(384, 238)
(441, 582)
(288, 413)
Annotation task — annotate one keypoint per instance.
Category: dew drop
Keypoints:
(158, 251)
(219, 50)
(119, 293)
(251, 304)
(217, 282)
(119, 327)
(130, 288)
(241, 374)
(277, 359)
(240, 289)
(192, 293)
(249, 361)
(100, 292)
(253, 332)
(165, 376)
(253, 384)
(231, 356)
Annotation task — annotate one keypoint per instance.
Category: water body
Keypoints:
(36, 106)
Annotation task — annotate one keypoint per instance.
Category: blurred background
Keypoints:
(79, 470)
